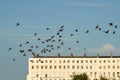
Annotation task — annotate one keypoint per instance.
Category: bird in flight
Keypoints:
(17, 24)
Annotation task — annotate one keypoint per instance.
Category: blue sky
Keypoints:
(37, 15)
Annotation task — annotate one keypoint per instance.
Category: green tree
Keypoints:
(82, 76)
(103, 78)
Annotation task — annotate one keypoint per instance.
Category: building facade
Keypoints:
(63, 67)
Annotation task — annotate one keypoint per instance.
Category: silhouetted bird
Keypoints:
(17, 24)
(9, 49)
(69, 48)
(38, 39)
(97, 27)
(27, 42)
(115, 26)
(35, 34)
(111, 24)
(106, 31)
(76, 30)
(87, 31)
(47, 28)
(21, 51)
(14, 59)
(71, 34)
(113, 32)
(20, 45)
(77, 41)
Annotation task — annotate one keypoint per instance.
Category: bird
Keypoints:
(27, 42)
(71, 35)
(47, 28)
(111, 24)
(20, 45)
(9, 49)
(21, 51)
(106, 31)
(97, 27)
(69, 48)
(38, 39)
(35, 34)
(113, 32)
(76, 30)
(14, 59)
(17, 24)
(77, 41)
(87, 31)
(115, 26)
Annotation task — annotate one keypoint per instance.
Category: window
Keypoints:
(73, 61)
(77, 67)
(37, 75)
(59, 61)
(77, 61)
(37, 67)
(86, 61)
(81, 67)
(63, 61)
(55, 67)
(81, 61)
(99, 61)
(59, 67)
(68, 67)
(45, 67)
(64, 67)
(108, 67)
(95, 61)
(73, 67)
(113, 61)
(68, 61)
(50, 67)
(90, 61)
(100, 67)
(86, 67)
(41, 67)
(108, 61)
(32, 67)
(45, 61)
(104, 67)
(90, 67)
(113, 67)
(37, 61)
(117, 67)
(50, 61)
(104, 61)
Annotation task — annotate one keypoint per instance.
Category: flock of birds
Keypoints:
(48, 43)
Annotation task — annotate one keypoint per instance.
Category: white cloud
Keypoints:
(90, 4)
(106, 48)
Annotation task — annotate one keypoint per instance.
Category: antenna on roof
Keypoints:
(111, 55)
(71, 55)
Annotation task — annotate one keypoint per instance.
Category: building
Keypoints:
(63, 67)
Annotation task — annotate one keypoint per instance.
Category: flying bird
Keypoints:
(106, 31)
(76, 30)
(111, 24)
(9, 49)
(17, 24)
(87, 31)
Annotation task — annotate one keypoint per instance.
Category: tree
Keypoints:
(103, 78)
(82, 76)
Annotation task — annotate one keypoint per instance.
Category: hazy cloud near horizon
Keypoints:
(104, 49)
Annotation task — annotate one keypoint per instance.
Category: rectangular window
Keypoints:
(32, 67)
(77, 61)
(68, 61)
(50, 67)
(37, 67)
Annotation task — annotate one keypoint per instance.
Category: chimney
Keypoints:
(97, 55)
(84, 55)
(111, 55)
(71, 55)
(58, 54)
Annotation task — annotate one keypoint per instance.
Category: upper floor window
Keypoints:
(32, 67)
